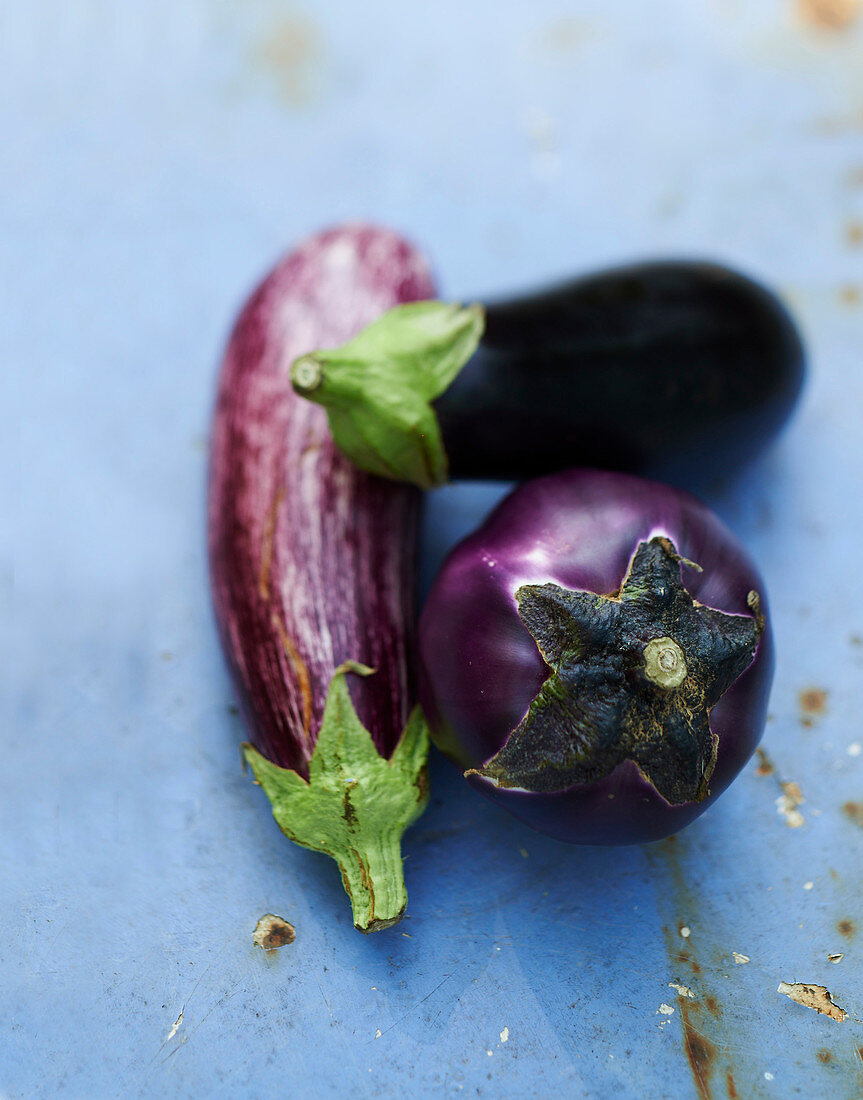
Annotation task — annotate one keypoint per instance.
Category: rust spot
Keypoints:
(824, 1056)
(731, 1087)
(854, 812)
(854, 233)
(713, 1006)
(272, 932)
(765, 764)
(849, 295)
(846, 928)
(813, 701)
(828, 15)
(700, 1052)
(267, 547)
(299, 667)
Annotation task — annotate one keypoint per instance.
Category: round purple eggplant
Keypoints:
(312, 564)
(597, 657)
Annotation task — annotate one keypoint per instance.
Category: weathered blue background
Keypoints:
(156, 158)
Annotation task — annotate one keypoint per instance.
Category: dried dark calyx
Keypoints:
(634, 677)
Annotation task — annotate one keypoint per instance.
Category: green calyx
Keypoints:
(356, 804)
(378, 388)
(633, 676)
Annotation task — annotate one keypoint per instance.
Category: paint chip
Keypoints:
(808, 885)
(740, 959)
(836, 956)
(175, 1027)
(854, 749)
(787, 803)
(378, 1033)
(685, 931)
(681, 990)
(813, 996)
(768, 1076)
(272, 932)
(664, 1010)
(504, 1035)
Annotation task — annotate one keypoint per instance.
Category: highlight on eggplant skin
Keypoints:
(522, 701)
(677, 370)
(312, 568)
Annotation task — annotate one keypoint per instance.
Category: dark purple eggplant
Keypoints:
(681, 371)
(597, 657)
(312, 567)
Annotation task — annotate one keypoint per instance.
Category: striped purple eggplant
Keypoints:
(312, 566)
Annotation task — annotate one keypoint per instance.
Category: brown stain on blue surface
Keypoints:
(290, 53)
(702, 1052)
(828, 15)
(813, 703)
(854, 812)
(849, 295)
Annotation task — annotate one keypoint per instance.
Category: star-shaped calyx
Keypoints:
(634, 677)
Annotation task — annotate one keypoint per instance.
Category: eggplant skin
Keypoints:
(677, 370)
(311, 561)
(482, 668)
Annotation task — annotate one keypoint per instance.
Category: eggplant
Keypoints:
(312, 567)
(681, 371)
(597, 657)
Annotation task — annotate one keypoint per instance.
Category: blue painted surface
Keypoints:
(156, 158)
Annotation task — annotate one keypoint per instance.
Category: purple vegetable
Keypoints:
(597, 658)
(312, 565)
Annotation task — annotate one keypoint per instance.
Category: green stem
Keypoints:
(373, 879)
(355, 804)
(379, 387)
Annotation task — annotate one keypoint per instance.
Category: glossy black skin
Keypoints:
(681, 371)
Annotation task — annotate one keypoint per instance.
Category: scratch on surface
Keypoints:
(416, 1004)
(185, 1005)
(813, 996)
(267, 547)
